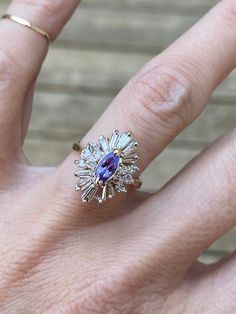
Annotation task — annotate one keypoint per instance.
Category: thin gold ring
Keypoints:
(26, 23)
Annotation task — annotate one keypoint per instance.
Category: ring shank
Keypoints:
(137, 183)
(26, 23)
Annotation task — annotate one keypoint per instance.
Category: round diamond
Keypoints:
(129, 179)
(120, 188)
(86, 154)
(81, 164)
(98, 155)
(133, 169)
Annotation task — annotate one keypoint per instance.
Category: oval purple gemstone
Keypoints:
(107, 167)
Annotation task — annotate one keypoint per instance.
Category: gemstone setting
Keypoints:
(107, 167)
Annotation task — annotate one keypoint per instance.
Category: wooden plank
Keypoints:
(212, 256)
(213, 123)
(89, 69)
(46, 152)
(166, 165)
(73, 114)
(164, 6)
(225, 243)
(126, 30)
(123, 29)
(100, 71)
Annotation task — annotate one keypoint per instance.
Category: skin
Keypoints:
(137, 253)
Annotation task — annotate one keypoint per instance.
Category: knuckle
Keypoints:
(165, 96)
(44, 7)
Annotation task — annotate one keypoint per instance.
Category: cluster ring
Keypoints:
(107, 167)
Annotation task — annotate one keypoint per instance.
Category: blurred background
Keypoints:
(104, 44)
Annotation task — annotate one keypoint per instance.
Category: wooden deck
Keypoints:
(105, 43)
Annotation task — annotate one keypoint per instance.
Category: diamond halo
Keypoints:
(107, 167)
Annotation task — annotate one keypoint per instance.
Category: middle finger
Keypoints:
(172, 89)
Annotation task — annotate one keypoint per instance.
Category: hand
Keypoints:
(137, 253)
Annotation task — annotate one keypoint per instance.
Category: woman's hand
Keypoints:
(137, 253)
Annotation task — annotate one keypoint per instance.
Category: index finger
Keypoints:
(22, 52)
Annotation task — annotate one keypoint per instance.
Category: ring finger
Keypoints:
(172, 89)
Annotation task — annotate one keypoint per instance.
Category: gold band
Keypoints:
(26, 23)
(137, 183)
(76, 147)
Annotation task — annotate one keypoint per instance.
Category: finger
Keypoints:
(21, 55)
(217, 282)
(172, 89)
(194, 209)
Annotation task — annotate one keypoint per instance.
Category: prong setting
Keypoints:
(107, 168)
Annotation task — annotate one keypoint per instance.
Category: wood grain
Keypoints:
(72, 114)
(181, 7)
(104, 72)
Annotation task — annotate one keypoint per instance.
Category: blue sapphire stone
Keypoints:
(107, 167)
